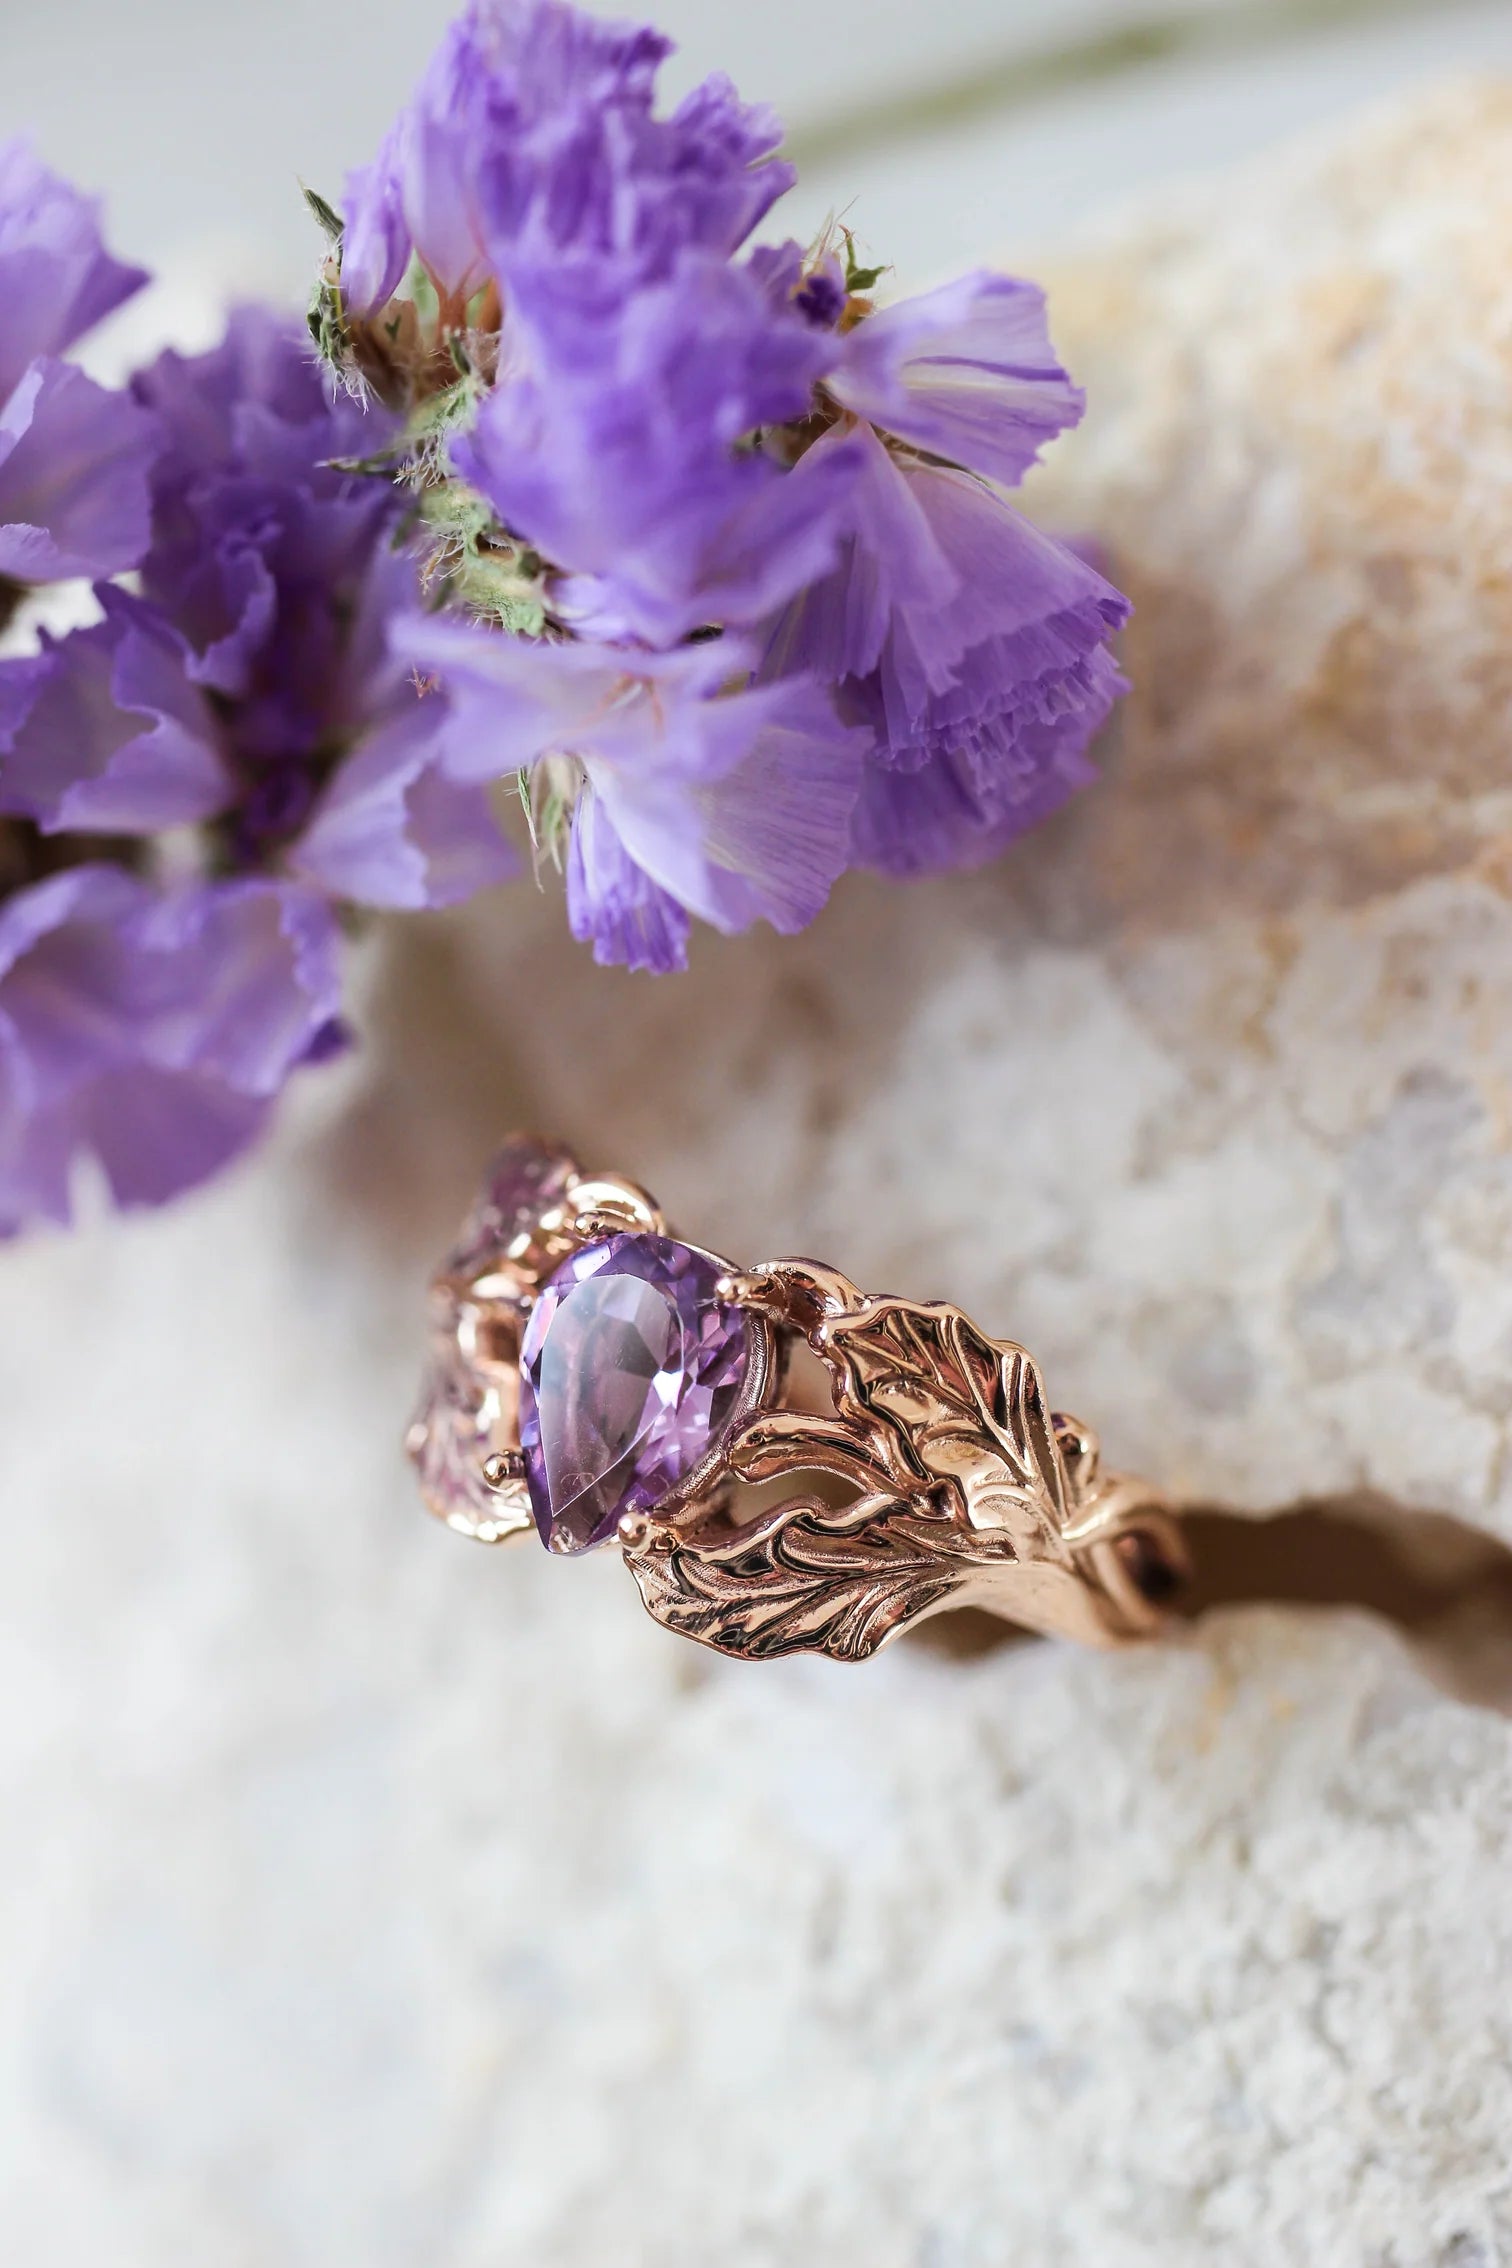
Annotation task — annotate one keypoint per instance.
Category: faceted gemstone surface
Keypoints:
(630, 1371)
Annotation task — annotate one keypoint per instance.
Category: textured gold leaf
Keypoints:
(809, 1587)
(947, 1441)
(949, 1406)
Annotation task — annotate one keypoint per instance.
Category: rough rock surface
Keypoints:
(375, 1901)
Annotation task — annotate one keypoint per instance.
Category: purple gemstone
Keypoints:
(630, 1372)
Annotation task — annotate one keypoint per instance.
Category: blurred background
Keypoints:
(367, 1901)
(948, 131)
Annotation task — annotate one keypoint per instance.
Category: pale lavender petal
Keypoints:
(613, 904)
(56, 278)
(265, 966)
(965, 372)
(764, 835)
(376, 243)
(149, 1032)
(733, 799)
(438, 194)
(74, 467)
(510, 700)
(392, 830)
(893, 588)
(516, 700)
(116, 740)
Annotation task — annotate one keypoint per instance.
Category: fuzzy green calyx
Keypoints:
(495, 578)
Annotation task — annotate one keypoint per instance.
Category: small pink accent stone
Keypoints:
(523, 1180)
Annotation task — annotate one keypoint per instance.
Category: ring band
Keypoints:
(596, 1379)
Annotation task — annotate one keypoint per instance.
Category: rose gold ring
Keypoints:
(787, 1464)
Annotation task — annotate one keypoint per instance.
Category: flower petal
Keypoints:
(392, 830)
(766, 834)
(620, 450)
(613, 904)
(893, 582)
(56, 278)
(966, 372)
(116, 739)
(532, 140)
(150, 1032)
(74, 466)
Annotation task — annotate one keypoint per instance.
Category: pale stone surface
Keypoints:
(374, 1901)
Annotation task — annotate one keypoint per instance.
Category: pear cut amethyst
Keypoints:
(630, 1372)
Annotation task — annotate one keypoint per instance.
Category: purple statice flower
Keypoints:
(532, 143)
(620, 449)
(691, 791)
(624, 438)
(190, 785)
(149, 1030)
(74, 458)
(974, 646)
(249, 688)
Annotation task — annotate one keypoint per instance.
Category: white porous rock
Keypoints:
(371, 1900)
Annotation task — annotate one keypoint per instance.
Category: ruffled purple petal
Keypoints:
(279, 574)
(991, 625)
(617, 454)
(1028, 620)
(966, 372)
(532, 141)
(720, 156)
(973, 646)
(56, 278)
(74, 470)
(116, 739)
(149, 1032)
(930, 821)
(256, 404)
(893, 587)
(392, 830)
(256, 537)
(21, 680)
(766, 835)
(613, 904)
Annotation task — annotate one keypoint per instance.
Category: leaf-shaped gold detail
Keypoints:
(963, 1491)
(812, 1586)
(950, 1408)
